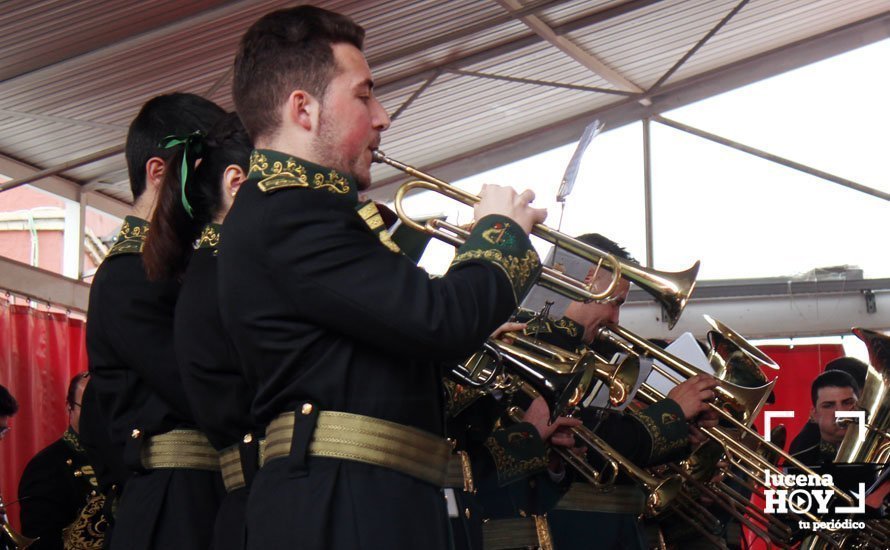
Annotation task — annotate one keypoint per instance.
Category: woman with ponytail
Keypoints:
(202, 181)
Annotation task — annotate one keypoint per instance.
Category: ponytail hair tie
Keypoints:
(193, 146)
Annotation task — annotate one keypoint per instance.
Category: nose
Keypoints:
(380, 118)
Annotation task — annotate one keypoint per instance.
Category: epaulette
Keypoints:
(369, 213)
(131, 238)
(210, 236)
(274, 171)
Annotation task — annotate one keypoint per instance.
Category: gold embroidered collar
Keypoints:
(70, 437)
(273, 170)
(131, 238)
(209, 236)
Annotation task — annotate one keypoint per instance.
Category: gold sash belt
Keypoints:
(365, 439)
(231, 467)
(460, 472)
(180, 449)
(620, 499)
(506, 534)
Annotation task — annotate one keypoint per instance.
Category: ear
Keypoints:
(233, 177)
(154, 172)
(302, 110)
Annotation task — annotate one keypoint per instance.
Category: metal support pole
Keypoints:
(647, 191)
(82, 236)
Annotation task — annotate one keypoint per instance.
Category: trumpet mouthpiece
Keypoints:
(377, 155)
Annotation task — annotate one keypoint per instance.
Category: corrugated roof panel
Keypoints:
(642, 45)
(83, 102)
(541, 61)
(46, 36)
(459, 113)
(753, 30)
(571, 10)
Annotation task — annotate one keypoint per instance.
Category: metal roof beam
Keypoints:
(698, 46)
(463, 32)
(671, 96)
(772, 158)
(563, 44)
(62, 187)
(383, 85)
(44, 286)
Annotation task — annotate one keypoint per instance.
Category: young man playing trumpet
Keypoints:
(340, 331)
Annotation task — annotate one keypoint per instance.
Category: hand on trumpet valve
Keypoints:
(707, 419)
(496, 199)
(557, 433)
(694, 394)
(507, 327)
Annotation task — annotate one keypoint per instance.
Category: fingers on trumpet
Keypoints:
(694, 394)
(505, 201)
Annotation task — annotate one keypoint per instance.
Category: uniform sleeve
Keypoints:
(333, 270)
(138, 321)
(656, 435)
(44, 509)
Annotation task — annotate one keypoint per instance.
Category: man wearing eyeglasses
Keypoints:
(58, 480)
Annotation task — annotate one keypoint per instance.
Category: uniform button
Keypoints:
(248, 438)
(69, 462)
(307, 409)
(467, 512)
(136, 434)
(522, 513)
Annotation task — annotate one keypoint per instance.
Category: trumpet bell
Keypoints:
(663, 495)
(18, 540)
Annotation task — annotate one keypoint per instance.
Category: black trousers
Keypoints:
(343, 505)
(168, 508)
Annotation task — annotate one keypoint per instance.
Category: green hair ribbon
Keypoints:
(193, 145)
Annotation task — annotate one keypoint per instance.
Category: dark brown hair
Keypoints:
(172, 114)
(173, 231)
(287, 50)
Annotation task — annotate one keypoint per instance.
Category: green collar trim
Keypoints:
(131, 238)
(209, 236)
(71, 439)
(273, 170)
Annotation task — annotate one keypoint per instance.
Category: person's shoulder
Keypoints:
(52, 456)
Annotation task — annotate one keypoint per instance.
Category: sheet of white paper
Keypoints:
(686, 348)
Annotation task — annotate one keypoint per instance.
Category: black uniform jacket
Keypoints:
(139, 389)
(321, 310)
(53, 489)
(217, 389)
(130, 344)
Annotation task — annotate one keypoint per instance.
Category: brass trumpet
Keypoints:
(671, 290)
(18, 540)
(737, 405)
(661, 492)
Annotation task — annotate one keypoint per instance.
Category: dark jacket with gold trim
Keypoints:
(319, 309)
(218, 391)
(130, 344)
(53, 489)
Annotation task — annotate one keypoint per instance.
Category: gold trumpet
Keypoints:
(661, 492)
(18, 540)
(671, 290)
(565, 379)
(737, 405)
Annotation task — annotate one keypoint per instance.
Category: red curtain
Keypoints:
(799, 365)
(40, 351)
